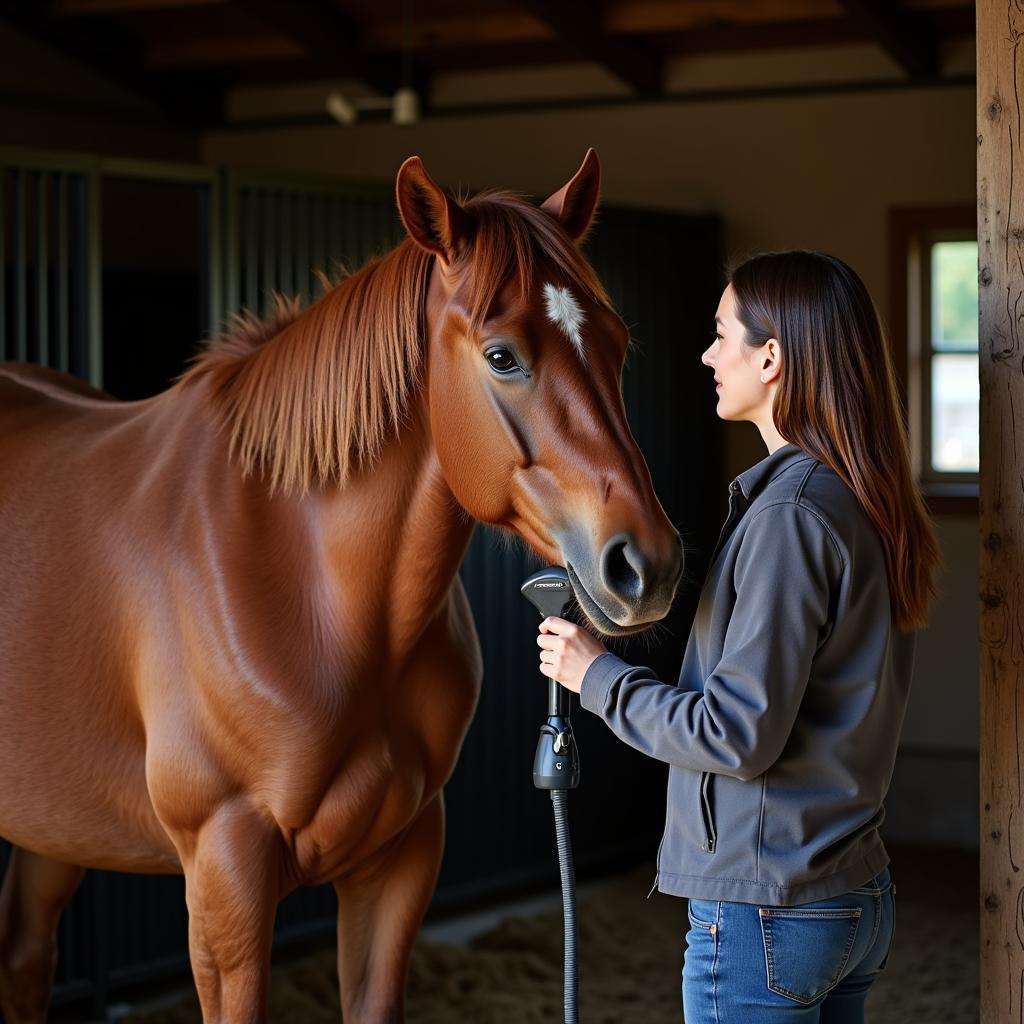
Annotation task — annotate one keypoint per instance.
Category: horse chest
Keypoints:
(347, 755)
(377, 792)
(405, 753)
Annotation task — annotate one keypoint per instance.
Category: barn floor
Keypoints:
(504, 966)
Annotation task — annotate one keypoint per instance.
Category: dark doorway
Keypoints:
(156, 301)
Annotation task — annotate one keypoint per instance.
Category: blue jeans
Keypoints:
(812, 963)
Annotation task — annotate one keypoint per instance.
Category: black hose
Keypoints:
(561, 809)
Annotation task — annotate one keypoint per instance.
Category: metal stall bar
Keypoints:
(51, 203)
(42, 352)
(252, 269)
(82, 294)
(269, 250)
(318, 236)
(63, 360)
(20, 269)
(300, 211)
(93, 284)
(280, 229)
(286, 243)
(226, 227)
(3, 263)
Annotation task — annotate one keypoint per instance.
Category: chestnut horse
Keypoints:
(233, 639)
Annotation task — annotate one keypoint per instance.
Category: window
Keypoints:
(949, 356)
(934, 333)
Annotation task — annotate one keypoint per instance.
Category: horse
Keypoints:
(233, 639)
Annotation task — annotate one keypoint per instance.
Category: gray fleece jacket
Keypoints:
(782, 730)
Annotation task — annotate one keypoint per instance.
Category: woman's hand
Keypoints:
(566, 651)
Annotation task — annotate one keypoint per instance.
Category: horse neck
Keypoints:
(400, 524)
(386, 535)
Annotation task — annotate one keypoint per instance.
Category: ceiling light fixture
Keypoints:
(404, 105)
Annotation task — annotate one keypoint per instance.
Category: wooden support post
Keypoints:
(1000, 42)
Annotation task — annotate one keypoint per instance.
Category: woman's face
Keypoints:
(742, 393)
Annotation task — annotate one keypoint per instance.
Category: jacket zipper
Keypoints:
(657, 867)
(710, 835)
(734, 506)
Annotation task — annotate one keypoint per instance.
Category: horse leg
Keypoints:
(232, 887)
(35, 891)
(380, 910)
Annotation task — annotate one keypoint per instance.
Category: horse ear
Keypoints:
(574, 204)
(434, 222)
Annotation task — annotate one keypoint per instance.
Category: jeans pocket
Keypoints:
(892, 931)
(805, 949)
(702, 915)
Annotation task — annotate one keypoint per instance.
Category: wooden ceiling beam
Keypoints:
(905, 40)
(90, 8)
(796, 35)
(705, 42)
(449, 55)
(641, 16)
(222, 51)
(637, 19)
(440, 31)
(578, 26)
(331, 39)
(113, 53)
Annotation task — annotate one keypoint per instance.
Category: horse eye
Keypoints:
(502, 360)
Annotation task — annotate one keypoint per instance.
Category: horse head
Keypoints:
(523, 365)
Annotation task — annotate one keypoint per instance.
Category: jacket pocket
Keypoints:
(706, 814)
(805, 949)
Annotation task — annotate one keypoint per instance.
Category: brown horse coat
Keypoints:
(233, 640)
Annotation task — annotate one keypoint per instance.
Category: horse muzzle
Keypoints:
(627, 590)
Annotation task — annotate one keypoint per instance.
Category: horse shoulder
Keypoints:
(390, 772)
(442, 682)
(461, 630)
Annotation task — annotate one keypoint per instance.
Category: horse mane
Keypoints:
(308, 397)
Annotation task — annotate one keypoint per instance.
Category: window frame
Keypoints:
(912, 231)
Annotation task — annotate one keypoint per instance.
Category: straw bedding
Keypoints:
(630, 958)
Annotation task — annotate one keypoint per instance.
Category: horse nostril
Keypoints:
(623, 568)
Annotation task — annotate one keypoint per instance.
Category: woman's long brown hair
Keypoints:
(837, 401)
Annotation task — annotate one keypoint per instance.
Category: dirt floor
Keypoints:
(631, 952)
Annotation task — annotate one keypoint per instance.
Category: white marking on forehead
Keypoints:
(563, 309)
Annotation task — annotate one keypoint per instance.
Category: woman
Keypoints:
(782, 730)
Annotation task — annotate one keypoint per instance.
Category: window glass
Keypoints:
(955, 296)
(954, 357)
(955, 396)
